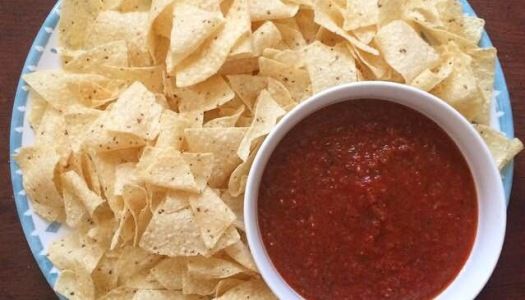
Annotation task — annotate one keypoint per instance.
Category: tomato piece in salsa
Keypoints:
(367, 199)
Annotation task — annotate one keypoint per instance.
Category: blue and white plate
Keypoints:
(43, 55)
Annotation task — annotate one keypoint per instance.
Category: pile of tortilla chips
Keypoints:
(145, 137)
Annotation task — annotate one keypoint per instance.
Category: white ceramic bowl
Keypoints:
(491, 200)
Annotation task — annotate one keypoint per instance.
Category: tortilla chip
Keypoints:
(236, 204)
(173, 234)
(223, 143)
(125, 174)
(100, 230)
(201, 166)
(292, 58)
(63, 90)
(136, 112)
(378, 67)
(240, 66)
(253, 289)
(67, 252)
(484, 68)
(166, 167)
(329, 66)
(389, 10)
(136, 201)
(77, 186)
(132, 261)
(243, 48)
(244, 121)
(105, 164)
(207, 61)
(161, 17)
(199, 286)
(329, 38)
(241, 254)
(125, 231)
(76, 213)
(225, 285)
(49, 213)
(291, 34)
(228, 107)
(329, 18)
(97, 95)
(230, 237)
(113, 54)
(150, 76)
(503, 149)
(169, 272)
(37, 106)
(247, 87)
(280, 94)
(306, 3)
(104, 275)
(460, 89)
(195, 119)
(429, 79)
(120, 293)
(360, 13)
(409, 55)
(261, 10)
(172, 130)
(52, 132)
(160, 49)
(191, 27)
(98, 138)
(204, 96)
(239, 176)
(365, 34)
(267, 112)
(90, 174)
(38, 166)
(162, 295)
(132, 27)
(143, 280)
(226, 121)
(211, 268)
(297, 81)
(306, 24)
(75, 284)
(473, 28)
(78, 120)
(175, 201)
(438, 34)
(76, 16)
(266, 36)
(207, 4)
(211, 215)
(134, 5)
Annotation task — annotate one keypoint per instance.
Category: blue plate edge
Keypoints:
(15, 142)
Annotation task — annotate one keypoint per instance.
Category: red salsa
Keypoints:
(367, 199)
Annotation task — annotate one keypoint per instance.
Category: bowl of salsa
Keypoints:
(374, 190)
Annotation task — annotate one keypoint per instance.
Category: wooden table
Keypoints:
(20, 277)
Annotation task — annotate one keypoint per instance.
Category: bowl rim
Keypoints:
(476, 270)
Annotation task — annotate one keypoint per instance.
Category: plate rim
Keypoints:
(15, 142)
(19, 106)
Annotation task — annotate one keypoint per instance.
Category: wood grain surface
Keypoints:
(20, 277)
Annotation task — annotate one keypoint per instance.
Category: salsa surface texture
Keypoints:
(367, 199)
